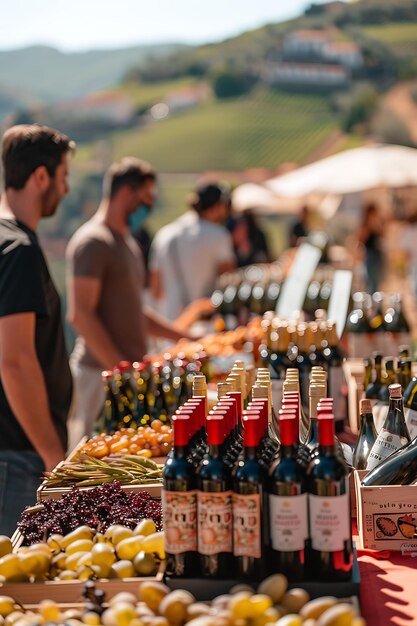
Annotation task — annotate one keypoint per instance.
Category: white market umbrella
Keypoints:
(351, 171)
(261, 200)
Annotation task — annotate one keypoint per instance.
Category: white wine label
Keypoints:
(329, 522)
(214, 522)
(386, 443)
(337, 392)
(411, 421)
(180, 521)
(276, 392)
(288, 522)
(380, 412)
(247, 525)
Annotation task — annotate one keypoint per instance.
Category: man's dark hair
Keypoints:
(207, 195)
(29, 146)
(129, 171)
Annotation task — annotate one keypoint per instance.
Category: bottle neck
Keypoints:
(250, 453)
(396, 404)
(288, 451)
(180, 452)
(215, 450)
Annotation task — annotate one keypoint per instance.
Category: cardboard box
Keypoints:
(352, 490)
(387, 516)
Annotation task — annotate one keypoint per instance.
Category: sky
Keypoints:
(84, 24)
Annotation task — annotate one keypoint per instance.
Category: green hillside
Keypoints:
(71, 74)
(262, 129)
(400, 37)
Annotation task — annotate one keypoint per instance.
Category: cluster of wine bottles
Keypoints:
(380, 372)
(256, 290)
(137, 393)
(243, 497)
(390, 455)
(376, 323)
(303, 346)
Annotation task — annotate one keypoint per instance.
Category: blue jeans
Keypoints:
(20, 476)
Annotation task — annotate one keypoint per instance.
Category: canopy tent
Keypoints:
(262, 201)
(351, 171)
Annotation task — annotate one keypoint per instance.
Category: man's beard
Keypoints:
(50, 201)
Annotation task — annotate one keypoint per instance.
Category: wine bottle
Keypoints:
(337, 384)
(287, 508)
(317, 392)
(179, 505)
(125, 400)
(367, 435)
(214, 499)
(360, 331)
(108, 419)
(373, 390)
(248, 497)
(393, 434)
(329, 556)
(303, 362)
(400, 468)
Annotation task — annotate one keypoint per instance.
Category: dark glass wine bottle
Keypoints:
(329, 556)
(248, 499)
(334, 358)
(393, 434)
(108, 419)
(400, 468)
(373, 390)
(287, 508)
(179, 505)
(367, 435)
(215, 506)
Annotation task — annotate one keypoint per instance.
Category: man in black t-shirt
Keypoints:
(35, 380)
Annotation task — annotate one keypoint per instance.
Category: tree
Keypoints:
(230, 83)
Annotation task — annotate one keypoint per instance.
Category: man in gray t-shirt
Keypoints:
(105, 289)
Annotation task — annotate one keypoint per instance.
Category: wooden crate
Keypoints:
(69, 591)
(54, 493)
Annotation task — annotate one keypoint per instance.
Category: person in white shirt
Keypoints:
(189, 254)
(408, 243)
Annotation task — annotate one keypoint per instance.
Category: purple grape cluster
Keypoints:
(98, 508)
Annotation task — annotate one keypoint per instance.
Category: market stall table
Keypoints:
(388, 589)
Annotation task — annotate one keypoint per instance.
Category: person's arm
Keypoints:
(18, 361)
(83, 297)
(226, 266)
(159, 326)
(155, 284)
(225, 254)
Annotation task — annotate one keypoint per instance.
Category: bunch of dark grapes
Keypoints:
(98, 508)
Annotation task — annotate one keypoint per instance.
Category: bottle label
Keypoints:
(214, 522)
(276, 391)
(329, 522)
(411, 421)
(337, 392)
(386, 443)
(247, 525)
(288, 522)
(180, 521)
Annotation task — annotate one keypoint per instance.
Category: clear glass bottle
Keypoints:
(394, 433)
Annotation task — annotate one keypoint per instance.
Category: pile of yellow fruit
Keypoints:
(85, 553)
(156, 605)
